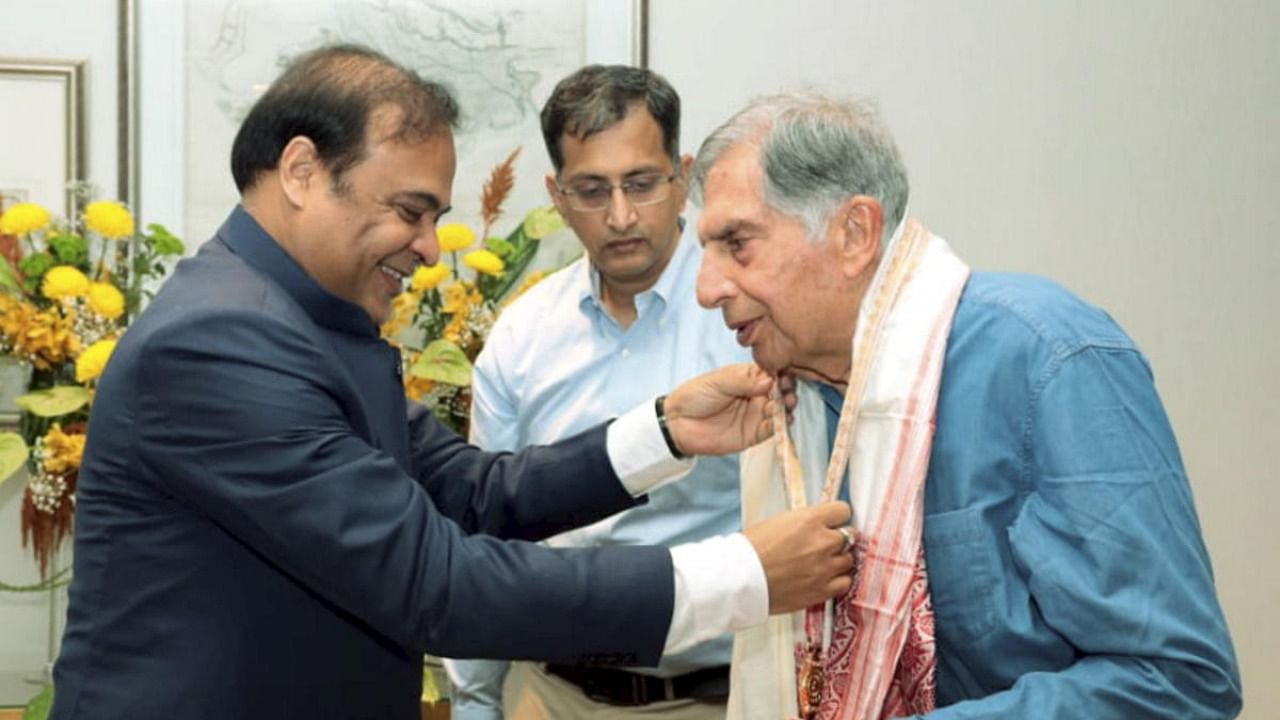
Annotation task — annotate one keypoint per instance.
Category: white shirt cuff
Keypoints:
(639, 454)
(720, 587)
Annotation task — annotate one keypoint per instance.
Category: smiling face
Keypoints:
(793, 302)
(362, 240)
(630, 246)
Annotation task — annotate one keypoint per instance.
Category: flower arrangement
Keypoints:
(440, 323)
(68, 289)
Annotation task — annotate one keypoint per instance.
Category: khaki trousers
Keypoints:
(529, 693)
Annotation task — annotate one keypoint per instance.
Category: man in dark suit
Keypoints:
(261, 534)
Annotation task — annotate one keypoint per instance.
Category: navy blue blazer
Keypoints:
(260, 533)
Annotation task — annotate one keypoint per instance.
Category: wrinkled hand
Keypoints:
(723, 411)
(804, 555)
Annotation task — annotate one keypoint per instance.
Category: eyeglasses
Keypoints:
(640, 190)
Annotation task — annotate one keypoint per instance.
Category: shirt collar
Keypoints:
(588, 285)
(885, 252)
(248, 240)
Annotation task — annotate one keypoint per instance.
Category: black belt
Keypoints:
(620, 687)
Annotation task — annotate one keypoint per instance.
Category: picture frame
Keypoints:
(40, 168)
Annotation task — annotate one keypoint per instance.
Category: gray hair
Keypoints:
(816, 151)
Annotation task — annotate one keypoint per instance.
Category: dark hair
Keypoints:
(328, 95)
(598, 96)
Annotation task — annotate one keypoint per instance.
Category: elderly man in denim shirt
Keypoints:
(1066, 572)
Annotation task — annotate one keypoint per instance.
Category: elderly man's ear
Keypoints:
(857, 230)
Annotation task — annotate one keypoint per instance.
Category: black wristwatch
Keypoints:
(666, 431)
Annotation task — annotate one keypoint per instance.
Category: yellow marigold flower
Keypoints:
(455, 298)
(93, 360)
(64, 281)
(427, 277)
(454, 237)
(62, 452)
(109, 219)
(402, 309)
(24, 218)
(106, 300)
(484, 261)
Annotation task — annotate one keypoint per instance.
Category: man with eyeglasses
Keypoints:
(615, 327)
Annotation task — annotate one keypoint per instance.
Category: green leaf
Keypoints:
(13, 454)
(524, 247)
(163, 241)
(430, 690)
(8, 278)
(55, 401)
(69, 249)
(541, 222)
(39, 706)
(500, 247)
(443, 362)
(35, 265)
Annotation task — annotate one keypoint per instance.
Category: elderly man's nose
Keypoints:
(713, 287)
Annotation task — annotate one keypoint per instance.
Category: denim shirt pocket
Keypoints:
(962, 578)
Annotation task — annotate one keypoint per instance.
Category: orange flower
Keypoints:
(456, 298)
(402, 309)
(43, 338)
(62, 452)
(416, 388)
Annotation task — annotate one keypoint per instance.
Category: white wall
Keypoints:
(1129, 150)
(72, 30)
(59, 30)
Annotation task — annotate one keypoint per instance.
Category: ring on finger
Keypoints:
(847, 534)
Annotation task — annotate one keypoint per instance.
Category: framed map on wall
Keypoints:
(500, 57)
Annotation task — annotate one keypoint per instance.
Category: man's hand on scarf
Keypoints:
(805, 555)
(723, 411)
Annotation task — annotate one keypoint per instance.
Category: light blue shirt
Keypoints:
(1067, 569)
(557, 363)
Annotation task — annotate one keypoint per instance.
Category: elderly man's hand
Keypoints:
(723, 411)
(805, 554)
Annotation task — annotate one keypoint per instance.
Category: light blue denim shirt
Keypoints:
(1067, 569)
(555, 364)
